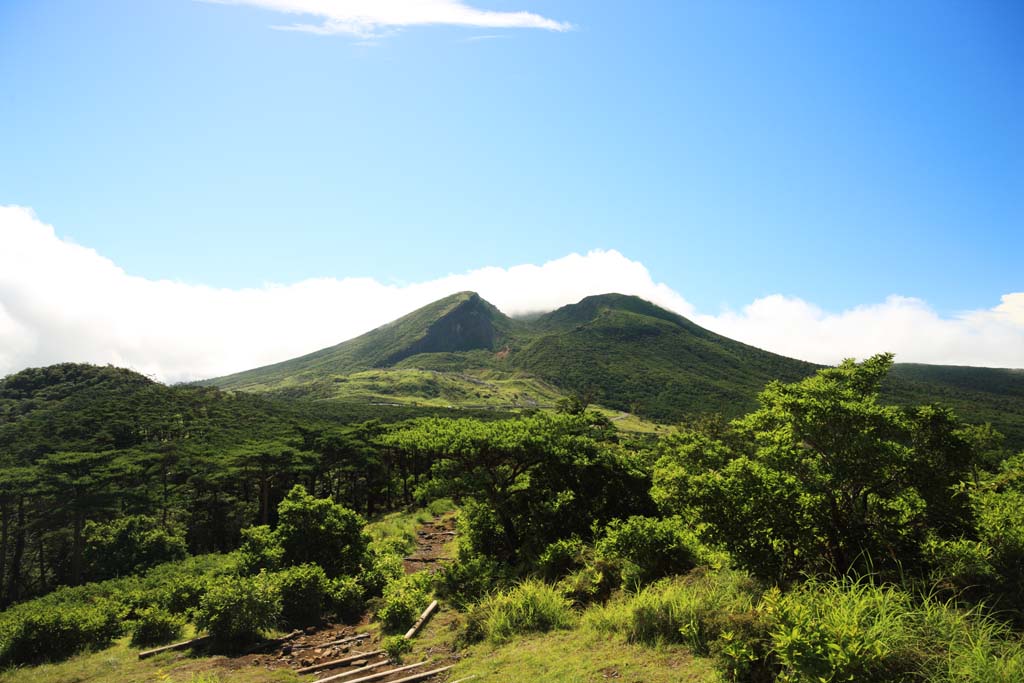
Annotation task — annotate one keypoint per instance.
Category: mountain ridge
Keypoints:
(620, 351)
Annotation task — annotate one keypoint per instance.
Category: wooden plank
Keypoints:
(359, 670)
(421, 676)
(372, 677)
(331, 643)
(341, 662)
(176, 646)
(422, 620)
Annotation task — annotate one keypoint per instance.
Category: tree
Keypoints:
(319, 531)
(529, 481)
(822, 477)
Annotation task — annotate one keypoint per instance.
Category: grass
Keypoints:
(399, 528)
(579, 655)
(121, 663)
(532, 606)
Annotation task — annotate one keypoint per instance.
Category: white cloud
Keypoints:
(63, 302)
(906, 326)
(367, 18)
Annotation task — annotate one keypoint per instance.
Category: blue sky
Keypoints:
(834, 152)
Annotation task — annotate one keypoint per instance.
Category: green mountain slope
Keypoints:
(978, 395)
(458, 323)
(629, 354)
(619, 351)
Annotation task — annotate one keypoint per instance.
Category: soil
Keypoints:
(431, 551)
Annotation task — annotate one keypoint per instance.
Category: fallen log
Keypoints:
(340, 662)
(372, 677)
(176, 646)
(422, 620)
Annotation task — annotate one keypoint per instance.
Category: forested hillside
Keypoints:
(824, 535)
(618, 351)
(89, 453)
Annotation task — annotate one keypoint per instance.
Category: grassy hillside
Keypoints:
(978, 395)
(618, 351)
(461, 322)
(631, 355)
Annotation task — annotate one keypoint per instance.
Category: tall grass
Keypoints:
(532, 606)
(821, 631)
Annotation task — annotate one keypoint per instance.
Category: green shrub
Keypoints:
(182, 594)
(561, 558)
(128, 545)
(38, 632)
(347, 598)
(650, 548)
(261, 549)
(383, 568)
(478, 529)
(318, 531)
(532, 606)
(305, 593)
(694, 609)
(470, 578)
(403, 601)
(236, 610)
(843, 630)
(441, 506)
(155, 626)
(594, 582)
(396, 646)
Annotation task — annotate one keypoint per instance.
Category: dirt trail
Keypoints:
(433, 545)
(317, 644)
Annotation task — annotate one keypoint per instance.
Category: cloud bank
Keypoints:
(60, 301)
(368, 18)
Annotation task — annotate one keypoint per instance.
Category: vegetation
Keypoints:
(824, 532)
(621, 352)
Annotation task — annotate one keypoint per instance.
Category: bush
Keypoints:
(843, 630)
(236, 610)
(305, 592)
(650, 548)
(182, 594)
(470, 578)
(155, 626)
(39, 632)
(403, 602)
(532, 606)
(695, 609)
(441, 506)
(396, 646)
(128, 545)
(260, 550)
(561, 558)
(383, 569)
(318, 531)
(594, 582)
(348, 599)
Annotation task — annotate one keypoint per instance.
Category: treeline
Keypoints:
(104, 472)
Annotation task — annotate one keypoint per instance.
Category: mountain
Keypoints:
(618, 351)
(458, 323)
